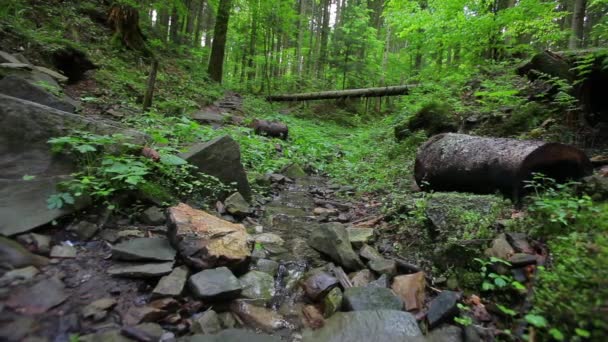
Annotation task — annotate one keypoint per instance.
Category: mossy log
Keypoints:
(342, 94)
(460, 162)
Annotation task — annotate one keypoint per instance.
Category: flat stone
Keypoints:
(382, 281)
(443, 307)
(371, 298)
(363, 235)
(370, 253)
(172, 284)
(15, 66)
(519, 242)
(13, 255)
(38, 298)
(268, 238)
(383, 266)
(152, 249)
(446, 333)
(63, 252)
(84, 230)
(129, 233)
(206, 323)
(258, 286)
(259, 317)
(522, 259)
(98, 309)
(146, 270)
(218, 283)
(267, 266)
(6, 57)
(18, 276)
(142, 314)
(362, 278)
(237, 205)
(369, 326)
(152, 331)
(232, 335)
(318, 283)
(410, 287)
(332, 239)
(21, 88)
(153, 216)
(54, 74)
(332, 302)
(205, 241)
(324, 211)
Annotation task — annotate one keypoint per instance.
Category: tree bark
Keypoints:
(324, 38)
(125, 21)
(150, 86)
(218, 47)
(342, 94)
(459, 162)
(174, 30)
(578, 24)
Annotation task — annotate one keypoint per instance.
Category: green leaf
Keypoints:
(54, 202)
(582, 332)
(85, 148)
(536, 320)
(170, 159)
(506, 310)
(67, 198)
(28, 177)
(556, 334)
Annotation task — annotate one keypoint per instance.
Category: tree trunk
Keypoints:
(324, 39)
(150, 86)
(459, 162)
(174, 30)
(125, 21)
(578, 24)
(342, 94)
(199, 24)
(163, 23)
(216, 61)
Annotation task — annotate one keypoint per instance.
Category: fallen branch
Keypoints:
(340, 94)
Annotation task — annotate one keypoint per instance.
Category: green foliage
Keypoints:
(495, 281)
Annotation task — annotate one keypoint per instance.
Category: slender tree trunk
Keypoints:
(298, 65)
(150, 86)
(199, 24)
(209, 24)
(218, 47)
(578, 24)
(252, 40)
(163, 24)
(174, 31)
(324, 38)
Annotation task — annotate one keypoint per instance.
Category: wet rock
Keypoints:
(143, 314)
(237, 205)
(268, 238)
(258, 286)
(267, 266)
(39, 297)
(98, 309)
(63, 252)
(206, 323)
(332, 239)
(360, 235)
(206, 241)
(371, 326)
(382, 281)
(362, 278)
(18, 276)
(293, 171)
(522, 259)
(148, 331)
(13, 255)
(172, 284)
(371, 298)
(332, 302)
(21, 88)
(232, 335)
(519, 242)
(447, 333)
(139, 249)
(148, 270)
(36, 242)
(318, 283)
(221, 158)
(443, 308)
(154, 216)
(259, 317)
(215, 284)
(84, 229)
(370, 253)
(410, 287)
(501, 248)
(383, 266)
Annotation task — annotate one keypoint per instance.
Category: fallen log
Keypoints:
(460, 162)
(341, 94)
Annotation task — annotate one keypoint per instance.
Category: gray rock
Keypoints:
(371, 298)
(172, 284)
(153, 216)
(382, 281)
(522, 259)
(318, 283)
(267, 266)
(210, 117)
(98, 309)
(152, 249)
(369, 253)
(258, 286)
(362, 278)
(447, 333)
(268, 238)
(39, 243)
(6, 57)
(500, 248)
(221, 158)
(293, 171)
(18, 276)
(148, 270)
(443, 308)
(206, 323)
(54, 74)
(368, 326)
(151, 330)
(20, 88)
(13, 255)
(218, 283)
(84, 230)
(519, 242)
(227, 319)
(332, 240)
(232, 335)
(332, 302)
(113, 335)
(259, 317)
(38, 298)
(383, 266)
(17, 328)
(360, 235)
(21, 58)
(63, 252)
(237, 205)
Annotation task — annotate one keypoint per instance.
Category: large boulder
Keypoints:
(221, 158)
(206, 241)
(25, 128)
(369, 326)
(21, 88)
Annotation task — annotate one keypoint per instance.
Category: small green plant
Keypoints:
(493, 281)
